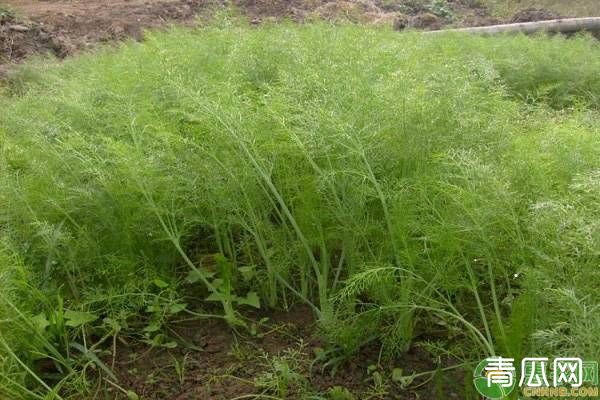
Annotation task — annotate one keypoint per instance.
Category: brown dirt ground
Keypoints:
(65, 27)
(222, 364)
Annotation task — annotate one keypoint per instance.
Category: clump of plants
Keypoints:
(441, 8)
(399, 185)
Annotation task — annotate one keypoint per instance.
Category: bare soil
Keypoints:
(534, 14)
(66, 27)
(220, 363)
(63, 28)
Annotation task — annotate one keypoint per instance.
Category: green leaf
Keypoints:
(248, 272)
(132, 395)
(78, 318)
(154, 308)
(407, 380)
(215, 296)
(377, 378)
(170, 345)
(251, 299)
(160, 283)
(319, 352)
(157, 340)
(339, 393)
(196, 274)
(40, 321)
(177, 307)
(152, 327)
(218, 283)
(397, 374)
(161, 340)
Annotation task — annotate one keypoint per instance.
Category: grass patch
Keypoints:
(397, 184)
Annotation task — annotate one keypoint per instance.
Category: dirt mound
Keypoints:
(275, 9)
(87, 23)
(426, 21)
(534, 14)
(63, 28)
(19, 38)
(356, 11)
